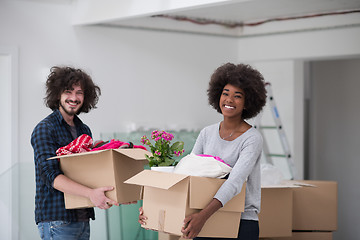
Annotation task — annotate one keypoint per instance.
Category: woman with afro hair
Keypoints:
(238, 93)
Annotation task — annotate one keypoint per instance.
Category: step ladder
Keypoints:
(286, 155)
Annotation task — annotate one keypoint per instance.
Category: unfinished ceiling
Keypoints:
(227, 18)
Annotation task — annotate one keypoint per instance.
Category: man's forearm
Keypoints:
(66, 185)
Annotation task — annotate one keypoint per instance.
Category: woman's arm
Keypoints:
(248, 160)
(198, 146)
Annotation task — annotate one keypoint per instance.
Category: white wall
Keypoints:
(151, 79)
(9, 181)
(148, 78)
(5, 144)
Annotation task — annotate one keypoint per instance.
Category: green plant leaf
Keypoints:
(152, 163)
(148, 158)
(153, 149)
(177, 146)
(167, 162)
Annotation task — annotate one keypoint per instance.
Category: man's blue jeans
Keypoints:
(61, 230)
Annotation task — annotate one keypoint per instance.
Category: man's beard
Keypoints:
(72, 113)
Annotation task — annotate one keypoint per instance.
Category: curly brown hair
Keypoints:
(63, 78)
(243, 76)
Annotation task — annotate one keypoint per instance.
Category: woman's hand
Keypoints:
(195, 222)
(142, 218)
(193, 225)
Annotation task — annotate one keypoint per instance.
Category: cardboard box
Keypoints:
(298, 205)
(306, 236)
(168, 198)
(104, 168)
(315, 208)
(166, 236)
(276, 213)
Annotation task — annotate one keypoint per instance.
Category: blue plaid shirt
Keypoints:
(50, 134)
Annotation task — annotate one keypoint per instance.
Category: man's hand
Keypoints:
(193, 225)
(98, 198)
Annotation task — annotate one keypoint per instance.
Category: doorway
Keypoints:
(333, 135)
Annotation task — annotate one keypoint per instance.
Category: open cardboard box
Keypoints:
(168, 198)
(104, 168)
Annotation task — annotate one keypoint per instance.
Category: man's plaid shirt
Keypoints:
(50, 134)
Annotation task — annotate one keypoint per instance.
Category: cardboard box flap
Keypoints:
(276, 213)
(156, 179)
(288, 184)
(296, 183)
(134, 153)
(200, 196)
(77, 154)
(280, 186)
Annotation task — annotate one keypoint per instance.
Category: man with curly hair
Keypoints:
(69, 92)
(238, 93)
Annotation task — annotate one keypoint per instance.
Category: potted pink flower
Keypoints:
(162, 150)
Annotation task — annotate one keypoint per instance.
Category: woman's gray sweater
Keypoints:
(243, 155)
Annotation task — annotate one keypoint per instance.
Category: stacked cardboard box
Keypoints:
(314, 211)
(306, 236)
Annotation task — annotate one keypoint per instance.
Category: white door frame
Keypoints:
(10, 173)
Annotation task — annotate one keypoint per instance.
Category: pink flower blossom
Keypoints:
(143, 139)
(155, 134)
(162, 150)
(167, 136)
